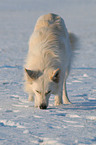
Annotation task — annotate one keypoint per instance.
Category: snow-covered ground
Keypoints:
(20, 122)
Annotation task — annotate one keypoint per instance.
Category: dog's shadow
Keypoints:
(88, 105)
(61, 111)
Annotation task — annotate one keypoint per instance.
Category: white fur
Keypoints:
(49, 50)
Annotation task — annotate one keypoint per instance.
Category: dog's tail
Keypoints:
(73, 40)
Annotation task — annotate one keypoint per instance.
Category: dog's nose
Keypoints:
(43, 106)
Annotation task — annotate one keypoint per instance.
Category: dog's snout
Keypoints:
(43, 106)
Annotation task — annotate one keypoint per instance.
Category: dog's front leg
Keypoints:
(31, 98)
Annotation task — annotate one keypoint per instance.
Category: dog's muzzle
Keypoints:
(43, 106)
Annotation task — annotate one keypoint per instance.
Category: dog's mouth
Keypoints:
(43, 106)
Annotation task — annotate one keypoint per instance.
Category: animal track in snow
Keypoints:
(76, 125)
(26, 131)
(72, 122)
(36, 116)
(9, 123)
(73, 116)
(14, 96)
(15, 111)
(21, 105)
(17, 97)
(91, 117)
(77, 81)
(90, 98)
(85, 75)
(21, 102)
(48, 141)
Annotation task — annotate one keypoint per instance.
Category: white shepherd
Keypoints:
(48, 61)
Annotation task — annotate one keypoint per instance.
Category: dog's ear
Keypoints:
(33, 75)
(56, 75)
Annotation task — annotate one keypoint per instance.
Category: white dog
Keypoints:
(48, 61)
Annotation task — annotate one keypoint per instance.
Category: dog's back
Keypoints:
(49, 41)
(50, 21)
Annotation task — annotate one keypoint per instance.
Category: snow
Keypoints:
(20, 122)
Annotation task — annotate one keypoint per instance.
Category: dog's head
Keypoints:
(43, 84)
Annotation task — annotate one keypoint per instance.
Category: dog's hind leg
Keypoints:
(65, 96)
(58, 99)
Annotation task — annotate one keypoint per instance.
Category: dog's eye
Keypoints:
(48, 92)
(38, 92)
